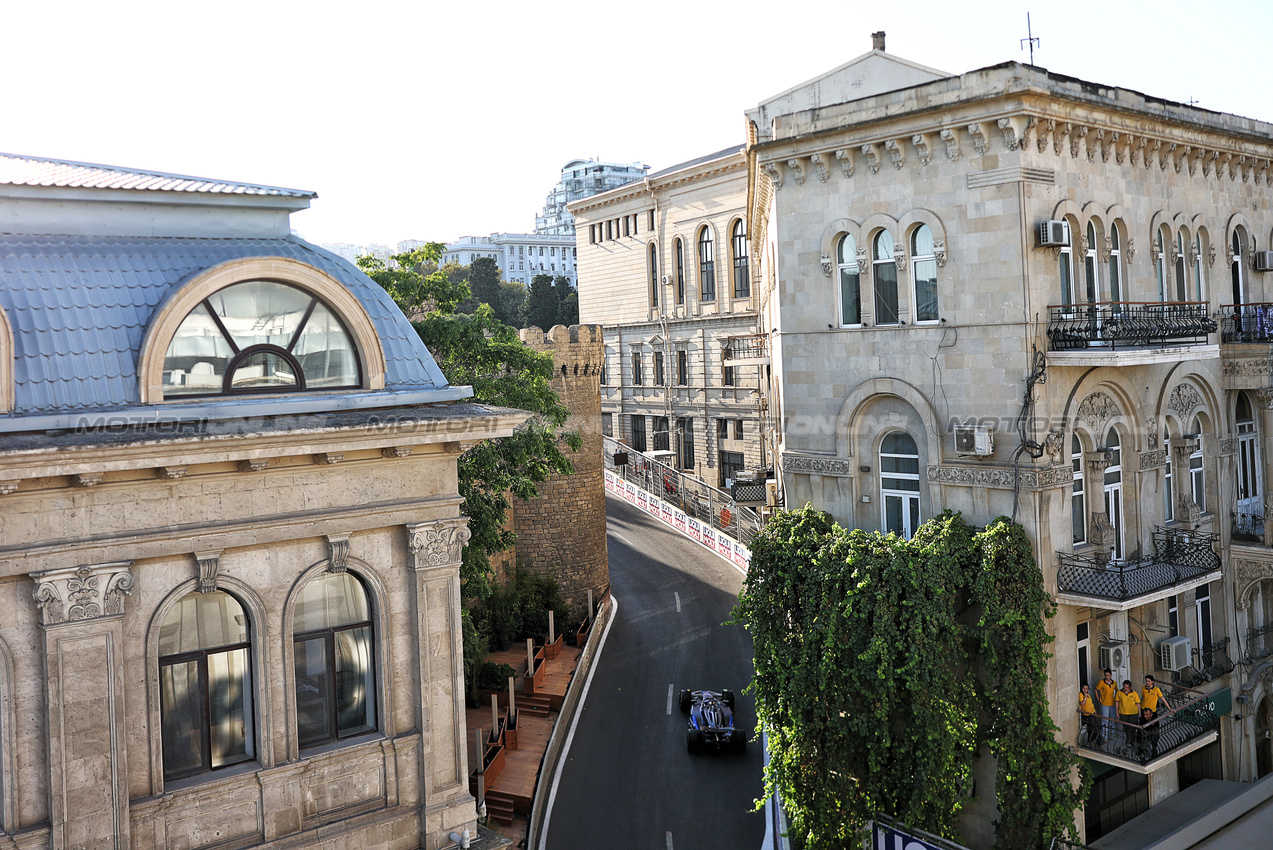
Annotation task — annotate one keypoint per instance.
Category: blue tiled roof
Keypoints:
(80, 306)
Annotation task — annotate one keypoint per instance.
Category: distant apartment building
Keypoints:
(582, 178)
(521, 256)
(665, 271)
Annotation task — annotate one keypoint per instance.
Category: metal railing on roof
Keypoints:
(1180, 555)
(690, 494)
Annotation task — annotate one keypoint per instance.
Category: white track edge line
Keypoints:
(574, 722)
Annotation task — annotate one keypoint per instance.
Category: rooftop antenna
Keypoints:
(1032, 41)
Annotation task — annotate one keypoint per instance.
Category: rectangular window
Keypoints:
(1173, 616)
(609, 229)
(1203, 598)
(686, 427)
(1197, 480)
(636, 369)
(727, 378)
(661, 442)
(638, 433)
(658, 368)
(683, 368)
(651, 221)
(607, 424)
(605, 370)
(731, 463)
(1084, 646)
(680, 272)
(738, 429)
(1078, 500)
(722, 429)
(1116, 797)
(627, 230)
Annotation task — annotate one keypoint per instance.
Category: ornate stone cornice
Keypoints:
(436, 544)
(804, 464)
(1001, 478)
(1257, 367)
(1153, 460)
(82, 593)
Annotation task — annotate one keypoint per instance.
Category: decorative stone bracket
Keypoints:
(435, 544)
(208, 564)
(337, 553)
(82, 593)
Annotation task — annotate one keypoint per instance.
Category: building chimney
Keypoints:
(877, 41)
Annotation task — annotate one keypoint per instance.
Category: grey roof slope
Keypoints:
(19, 170)
(80, 306)
(720, 154)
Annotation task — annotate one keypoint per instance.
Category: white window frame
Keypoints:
(1115, 274)
(1078, 497)
(1197, 471)
(1113, 489)
(926, 259)
(1250, 490)
(877, 263)
(1065, 268)
(1169, 482)
(848, 265)
(911, 509)
(1091, 267)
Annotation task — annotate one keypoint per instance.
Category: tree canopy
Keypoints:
(884, 666)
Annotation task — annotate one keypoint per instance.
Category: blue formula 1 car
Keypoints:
(711, 725)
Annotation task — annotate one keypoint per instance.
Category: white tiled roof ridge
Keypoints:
(22, 170)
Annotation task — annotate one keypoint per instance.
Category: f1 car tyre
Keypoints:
(686, 699)
(740, 741)
(728, 698)
(693, 740)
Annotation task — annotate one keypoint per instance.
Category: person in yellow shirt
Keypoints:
(1128, 709)
(1087, 713)
(1106, 688)
(1151, 697)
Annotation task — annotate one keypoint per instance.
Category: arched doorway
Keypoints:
(1263, 743)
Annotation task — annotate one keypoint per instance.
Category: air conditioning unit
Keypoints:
(667, 280)
(974, 440)
(1173, 653)
(1263, 261)
(1113, 656)
(1053, 234)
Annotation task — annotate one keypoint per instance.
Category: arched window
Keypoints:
(1169, 491)
(1078, 498)
(1199, 280)
(654, 275)
(706, 265)
(924, 272)
(334, 660)
(680, 272)
(1114, 490)
(205, 685)
(884, 271)
(1182, 285)
(1091, 270)
(1160, 264)
(899, 483)
(1235, 265)
(1250, 503)
(259, 336)
(1197, 477)
(1115, 265)
(850, 282)
(742, 275)
(1066, 268)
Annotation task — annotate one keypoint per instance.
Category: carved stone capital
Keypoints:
(922, 150)
(436, 544)
(1097, 462)
(899, 256)
(896, 152)
(172, 472)
(774, 170)
(87, 479)
(797, 168)
(845, 155)
(1100, 532)
(872, 154)
(939, 252)
(82, 593)
(328, 458)
(1077, 135)
(1153, 459)
(951, 138)
(827, 265)
(1264, 397)
(1229, 446)
(979, 141)
(337, 553)
(253, 464)
(1045, 131)
(819, 161)
(208, 564)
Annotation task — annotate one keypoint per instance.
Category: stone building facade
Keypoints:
(582, 178)
(520, 256)
(563, 531)
(934, 249)
(664, 270)
(229, 529)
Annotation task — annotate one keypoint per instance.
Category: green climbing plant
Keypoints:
(882, 666)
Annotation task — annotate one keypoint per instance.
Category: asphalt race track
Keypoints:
(627, 781)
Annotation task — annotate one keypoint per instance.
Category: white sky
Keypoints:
(433, 121)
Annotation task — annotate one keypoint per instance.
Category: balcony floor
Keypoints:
(1164, 759)
(1103, 356)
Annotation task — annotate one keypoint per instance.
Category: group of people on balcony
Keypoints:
(1138, 712)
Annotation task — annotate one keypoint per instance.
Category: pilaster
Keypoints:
(435, 550)
(1264, 398)
(82, 623)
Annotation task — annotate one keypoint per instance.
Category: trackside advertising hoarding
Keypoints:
(700, 532)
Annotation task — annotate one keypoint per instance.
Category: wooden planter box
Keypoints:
(552, 650)
(510, 732)
(534, 681)
(493, 764)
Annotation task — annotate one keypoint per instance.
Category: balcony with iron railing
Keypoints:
(1246, 323)
(746, 350)
(1128, 333)
(1211, 662)
(1247, 527)
(1187, 725)
(1182, 559)
(1259, 642)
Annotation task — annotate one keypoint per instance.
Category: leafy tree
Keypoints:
(479, 350)
(541, 302)
(567, 301)
(484, 281)
(882, 668)
(512, 297)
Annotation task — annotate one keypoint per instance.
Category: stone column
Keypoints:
(435, 549)
(1265, 399)
(1100, 532)
(83, 613)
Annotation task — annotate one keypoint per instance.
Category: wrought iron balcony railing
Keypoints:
(1246, 322)
(1179, 556)
(1212, 662)
(1128, 324)
(752, 348)
(1247, 527)
(1259, 642)
(1188, 719)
